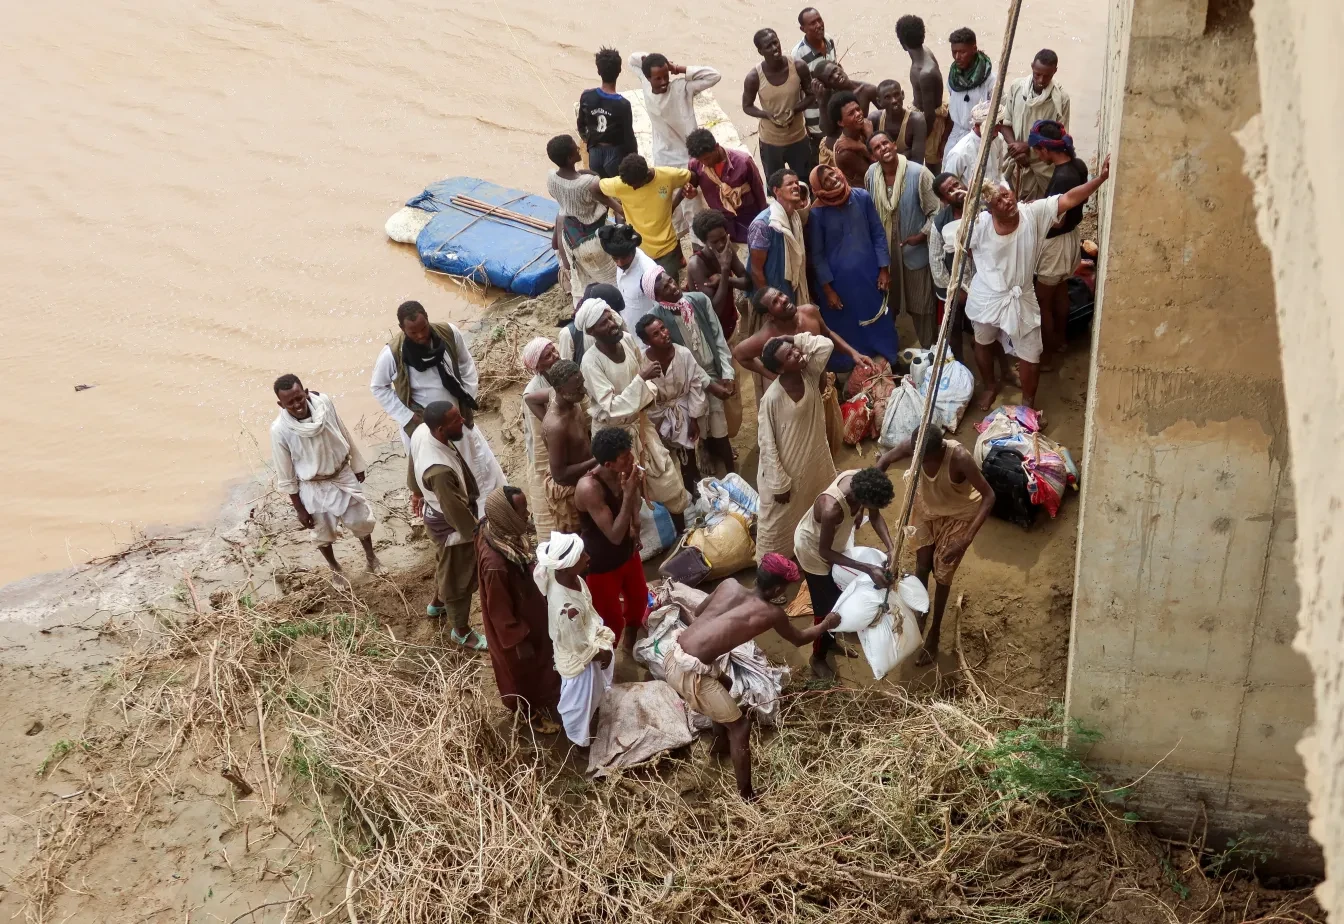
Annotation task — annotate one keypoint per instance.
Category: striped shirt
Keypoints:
(805, 53)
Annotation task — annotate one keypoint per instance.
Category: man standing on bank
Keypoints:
(319, 466)
(905, 127)
(513, 611)
(606, 122)
(814, 44)
(903, 195)
(926, 88)
(427, 362)
(728, 617)
(445, 492)
(783, 85)
(649, 197)
(970, 81)
(608, 502)
(729, 180)
(952, 502)
(567, 434)
(1030, 100)
(822, 536)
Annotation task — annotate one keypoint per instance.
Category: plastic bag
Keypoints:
(904, 409)
(727, 545)
(731, 493)
(956, 387)
(656, 531)
(896, 635)
(886, 644)
(844, 575)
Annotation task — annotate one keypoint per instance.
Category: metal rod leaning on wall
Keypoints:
(970, 212)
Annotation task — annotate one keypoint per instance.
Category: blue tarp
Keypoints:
(503, 253)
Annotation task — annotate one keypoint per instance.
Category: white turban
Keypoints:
(980, 112)
(562, 551)
(589, 313)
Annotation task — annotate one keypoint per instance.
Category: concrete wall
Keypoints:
(1185, 599)
(1293, 153)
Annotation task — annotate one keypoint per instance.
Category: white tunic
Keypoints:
(961, 159)
(1002, 293)
(960, 104)
(577, 633)
(316, 458)
(672, 114)
(628, 281)
(681, 398)
(427, 452)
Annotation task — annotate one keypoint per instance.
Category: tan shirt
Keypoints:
(807, 537)
(940, 497)
(779, 102)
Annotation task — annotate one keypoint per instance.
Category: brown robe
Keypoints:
(513, 611)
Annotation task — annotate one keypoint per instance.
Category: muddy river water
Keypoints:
(192, 198)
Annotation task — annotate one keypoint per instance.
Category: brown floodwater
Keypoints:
(192, 199)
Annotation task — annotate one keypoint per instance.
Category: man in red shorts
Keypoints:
(607, 499)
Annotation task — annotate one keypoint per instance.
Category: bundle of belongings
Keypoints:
(886, 621)
(905, 407)
(756, 683)
(1026, 469)
(721, 543)
(866, 395)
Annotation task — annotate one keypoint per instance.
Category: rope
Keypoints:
(970, 211)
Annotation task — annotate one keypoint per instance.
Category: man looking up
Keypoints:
(582, 214)
(962, 157)
(780, 317)
(729, 180)
(715, 270)
(903, 195)
(1051, 145)
(1007, 242)
(606, 123)
(566, 433)
(680, 411)
(795, 461)
(1030, 100)
(905, 127)
(443, 489)
(783, 86)
(926, 88)
(319, 466)
(620, 386)
(823, 534)
(731, 616)
(952, 502)
(426, 362)
(778, 245)
(852, 157)
(814, 44)
(649, 196)
(608, 502)
(970, 80)
(832, 79)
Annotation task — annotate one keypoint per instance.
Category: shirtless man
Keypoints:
(716, 270)
(892, 115)
(731, 615)
(564, 429)
(784, 319)
(926, 83)
(831, 79)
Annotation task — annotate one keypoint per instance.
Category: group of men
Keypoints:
(640, 391)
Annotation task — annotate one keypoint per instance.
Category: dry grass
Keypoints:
(875, 805)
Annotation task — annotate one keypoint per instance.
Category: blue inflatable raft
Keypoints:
(487, 248)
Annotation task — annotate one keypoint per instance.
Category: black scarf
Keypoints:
(418, 356)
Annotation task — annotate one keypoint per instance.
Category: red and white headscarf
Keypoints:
(531, 354)
(649, 284)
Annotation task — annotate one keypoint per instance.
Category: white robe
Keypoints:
(628, 281)
(1002, 293)
(578, 635)
(960, 104)
(426, 388)
(618, 397)
(308, 453)
(960, 160)
(681, 398)
(672, 114)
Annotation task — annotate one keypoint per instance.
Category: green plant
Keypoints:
(307, 761)
(1031, 760)
(300, 700)
(57, 754)
(1174, 880)
(1245, 851)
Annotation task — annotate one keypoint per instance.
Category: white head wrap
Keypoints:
(562, 551)
(980, 112)
(589, 313)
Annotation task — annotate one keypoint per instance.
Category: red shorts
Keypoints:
(621, 597)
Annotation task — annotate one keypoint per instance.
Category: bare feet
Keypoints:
(821, 670)
(720, 747)
(988, 395)
(338, 578)
(375, 566)
(846, 650)
(927, 654)
(544, 726)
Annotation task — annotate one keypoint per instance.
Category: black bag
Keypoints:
(1005, 474)
(687, 566)
(1081, 305)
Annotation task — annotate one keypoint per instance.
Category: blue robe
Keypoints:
(847, 246)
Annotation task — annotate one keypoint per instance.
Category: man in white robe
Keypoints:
(620, 386)
(427, 362)
(960, 160)
(1007, 241)
(319, 466)
(583, 645)
(681, 409)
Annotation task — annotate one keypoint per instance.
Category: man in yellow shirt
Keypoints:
(649, 196)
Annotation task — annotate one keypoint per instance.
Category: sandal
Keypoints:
(435, 611)
(470, 639)
(545, 726)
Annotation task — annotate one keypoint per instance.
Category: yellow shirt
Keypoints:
(649, 208)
